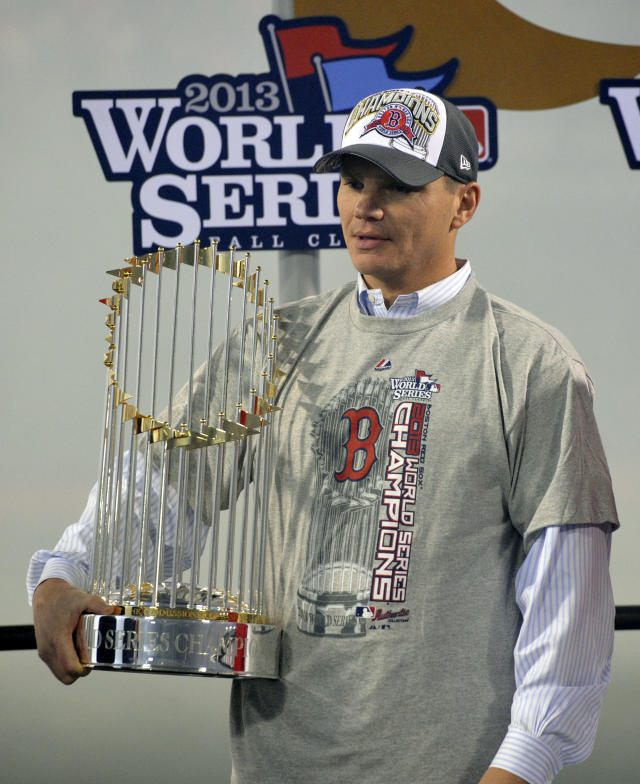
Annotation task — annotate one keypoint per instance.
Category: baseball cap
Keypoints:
(413, 135)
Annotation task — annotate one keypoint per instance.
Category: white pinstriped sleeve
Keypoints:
(563, 654)
(70, 558)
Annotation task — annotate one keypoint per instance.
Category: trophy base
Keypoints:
(185, 646)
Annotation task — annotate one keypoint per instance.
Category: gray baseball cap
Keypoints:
(415, 136)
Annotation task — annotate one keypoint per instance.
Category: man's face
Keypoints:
(401, 239)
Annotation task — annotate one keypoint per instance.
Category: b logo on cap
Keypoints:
(392, 121)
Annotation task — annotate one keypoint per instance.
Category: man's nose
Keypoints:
(368, 206)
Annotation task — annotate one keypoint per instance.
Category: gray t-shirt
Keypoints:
(417, 460)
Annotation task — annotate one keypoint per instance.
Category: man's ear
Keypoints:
(468, 200)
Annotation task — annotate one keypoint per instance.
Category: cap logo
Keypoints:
(464, 164)
(392, 121)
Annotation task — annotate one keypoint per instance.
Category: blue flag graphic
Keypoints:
(348, 80)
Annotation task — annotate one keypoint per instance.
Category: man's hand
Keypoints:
(57, 607)
(500, 776)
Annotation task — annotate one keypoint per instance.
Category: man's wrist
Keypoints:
(501, 776)
(63, 570)
(526, 756)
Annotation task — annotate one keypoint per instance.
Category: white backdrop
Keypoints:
(556, 233)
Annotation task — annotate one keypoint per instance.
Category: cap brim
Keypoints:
(402, 167)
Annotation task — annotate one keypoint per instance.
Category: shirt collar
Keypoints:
(371, 301)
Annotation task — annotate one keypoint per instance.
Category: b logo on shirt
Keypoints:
(364, 431)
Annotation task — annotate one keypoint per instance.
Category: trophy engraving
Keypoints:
(181, 512)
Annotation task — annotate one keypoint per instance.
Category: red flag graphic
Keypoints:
(299, 44)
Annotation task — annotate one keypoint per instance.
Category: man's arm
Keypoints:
(562, 655)
(56, 578)
(57, 607)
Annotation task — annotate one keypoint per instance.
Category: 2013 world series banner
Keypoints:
(229, 158)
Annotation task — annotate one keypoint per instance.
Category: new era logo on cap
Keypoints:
(464, 164)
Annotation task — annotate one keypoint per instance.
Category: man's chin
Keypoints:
(370, 263)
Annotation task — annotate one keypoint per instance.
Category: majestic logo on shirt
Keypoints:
(420, 386)
(384, 364)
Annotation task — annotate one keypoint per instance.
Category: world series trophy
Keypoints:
(182, 496)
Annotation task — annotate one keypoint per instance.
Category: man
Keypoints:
(439, 530)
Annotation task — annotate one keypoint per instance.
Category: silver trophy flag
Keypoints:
(181, 511)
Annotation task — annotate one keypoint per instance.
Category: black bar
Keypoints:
(628, 617)
(17, 638)
(23, 638)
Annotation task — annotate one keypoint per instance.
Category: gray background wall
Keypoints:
(557, 232)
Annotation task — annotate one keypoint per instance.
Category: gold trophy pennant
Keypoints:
(129, 412)
(223, 262)
(120, 397)
(187, 440)
(170, 259)
(121, 287)
(113, 303)
(239, 270)
(131, 273)
(235, 430)
(207, 255)
(163, 433)
(271, 390)
(250, 421)
(217, 436)
(146, 423)
(190, 254)
(256, 294)
(263, 406)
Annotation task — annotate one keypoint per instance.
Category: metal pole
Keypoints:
(298, 270)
